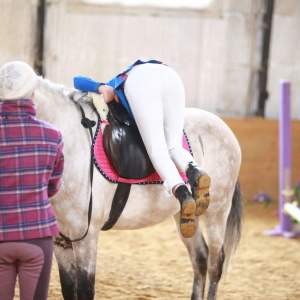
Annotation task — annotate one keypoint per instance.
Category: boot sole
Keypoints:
(202, 197)
(187, 219)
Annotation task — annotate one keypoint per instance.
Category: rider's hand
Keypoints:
(108, 93)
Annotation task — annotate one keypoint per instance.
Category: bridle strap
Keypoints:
(87, 123)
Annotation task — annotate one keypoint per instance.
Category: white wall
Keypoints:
(212, 49)
(285, 55)
(17, 30)
(216, 50)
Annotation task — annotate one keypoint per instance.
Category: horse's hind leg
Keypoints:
(215, 268)
(66, 265)
(215, 228)
(198, 253)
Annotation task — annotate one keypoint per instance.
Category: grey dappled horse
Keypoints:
(215, 148)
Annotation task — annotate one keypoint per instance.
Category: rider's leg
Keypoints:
(174, 105)
(144, 89)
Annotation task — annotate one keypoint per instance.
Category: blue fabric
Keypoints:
(86, 84)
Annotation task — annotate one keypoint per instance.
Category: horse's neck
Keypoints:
(54, 106)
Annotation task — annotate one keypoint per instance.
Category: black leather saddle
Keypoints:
(124, 146)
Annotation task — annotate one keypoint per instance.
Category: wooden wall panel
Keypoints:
(260, 155)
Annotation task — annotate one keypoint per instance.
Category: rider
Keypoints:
(154, 96)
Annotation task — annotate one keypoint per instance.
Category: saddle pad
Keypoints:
(105, 167)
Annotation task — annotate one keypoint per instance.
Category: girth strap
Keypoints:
(118, 204)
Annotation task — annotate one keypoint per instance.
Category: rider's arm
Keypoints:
(86, 84)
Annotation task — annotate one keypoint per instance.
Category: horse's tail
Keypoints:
(233, 227)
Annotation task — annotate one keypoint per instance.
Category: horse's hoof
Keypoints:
(187, 218)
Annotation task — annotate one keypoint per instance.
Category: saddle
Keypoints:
(124, 146)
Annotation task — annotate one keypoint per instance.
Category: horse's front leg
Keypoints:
(86, 256)
(66, 264)
(198, 253)
(77, 267)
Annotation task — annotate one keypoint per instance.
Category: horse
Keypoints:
(215, 148)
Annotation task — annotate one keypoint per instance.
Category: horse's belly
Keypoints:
(147, 206)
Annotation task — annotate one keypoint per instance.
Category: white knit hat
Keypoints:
(17, 81)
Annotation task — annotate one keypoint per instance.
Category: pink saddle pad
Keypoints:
(105, 167)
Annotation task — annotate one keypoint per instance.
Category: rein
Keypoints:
(86, 123)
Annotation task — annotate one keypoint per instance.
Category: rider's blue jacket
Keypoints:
(86, 84)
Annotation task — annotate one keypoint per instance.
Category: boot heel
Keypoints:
(200, 184)
(202, 194)
(187, 212)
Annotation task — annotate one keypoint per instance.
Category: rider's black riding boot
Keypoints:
(200, 183)
(187, 211)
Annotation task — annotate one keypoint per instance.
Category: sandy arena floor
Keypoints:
(153, 264)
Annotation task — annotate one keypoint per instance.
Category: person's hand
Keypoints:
(108, 93)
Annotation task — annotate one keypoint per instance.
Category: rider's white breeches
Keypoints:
(156, 97)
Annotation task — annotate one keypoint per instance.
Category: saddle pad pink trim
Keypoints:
(105, 167)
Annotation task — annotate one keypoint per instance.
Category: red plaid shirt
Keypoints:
(31, 167)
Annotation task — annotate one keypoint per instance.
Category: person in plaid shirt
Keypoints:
(153, 94)
(31, 168)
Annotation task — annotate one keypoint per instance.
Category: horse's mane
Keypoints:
(60, 91)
